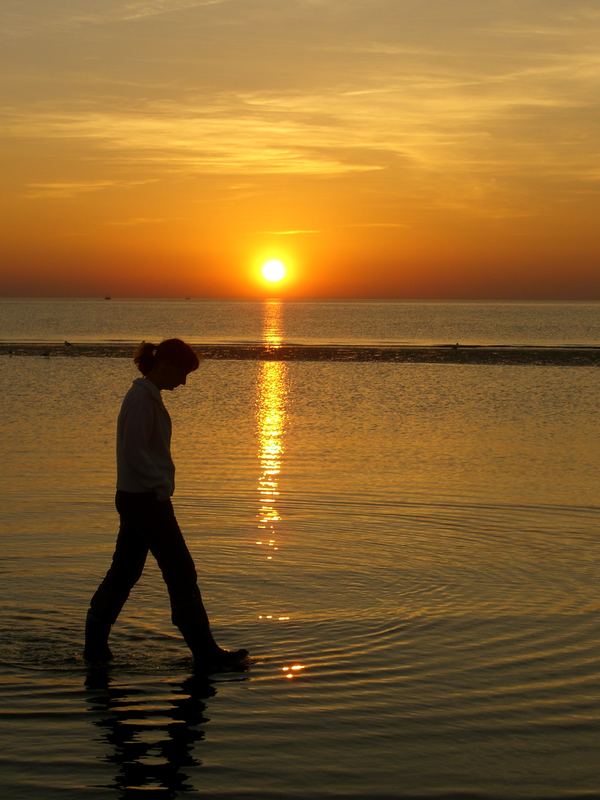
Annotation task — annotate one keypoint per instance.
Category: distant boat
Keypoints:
(107, 297)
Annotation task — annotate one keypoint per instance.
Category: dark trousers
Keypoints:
(150, 525)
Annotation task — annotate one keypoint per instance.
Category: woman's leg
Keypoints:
(168, 546)
(127, 565)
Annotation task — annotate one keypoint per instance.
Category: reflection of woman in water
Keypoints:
(152, 733)
(145, 483)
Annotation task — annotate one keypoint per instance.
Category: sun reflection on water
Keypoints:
(293, 671)
(270, 421)
(271, 401)
(272, 324)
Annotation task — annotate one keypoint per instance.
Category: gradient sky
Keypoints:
(393, 148)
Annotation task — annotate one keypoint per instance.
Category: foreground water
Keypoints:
(410, 552)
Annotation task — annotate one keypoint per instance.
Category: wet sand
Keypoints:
(425, 354)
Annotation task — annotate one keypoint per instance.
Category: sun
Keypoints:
(273, 270)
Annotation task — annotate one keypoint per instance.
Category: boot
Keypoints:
(207, 654)
(96, 648)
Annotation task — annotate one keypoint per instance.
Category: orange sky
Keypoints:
(391, 148)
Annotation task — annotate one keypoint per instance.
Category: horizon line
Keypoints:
(309, 299)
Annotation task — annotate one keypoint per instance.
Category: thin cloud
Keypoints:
(419, 111)
(66, 189)
(291, 233)
(141, 221)
(375, 225)
(22, 22)
(200, 141)
(126, 12)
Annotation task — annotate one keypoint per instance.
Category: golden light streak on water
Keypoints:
(272, 323)
(271, 411)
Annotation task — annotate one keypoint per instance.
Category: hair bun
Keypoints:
(174, 351)
(145, 356)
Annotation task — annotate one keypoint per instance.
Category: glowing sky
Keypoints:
(402, 148)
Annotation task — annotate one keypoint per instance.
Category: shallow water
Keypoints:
(420, 541)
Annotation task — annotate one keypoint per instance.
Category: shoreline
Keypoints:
(536, 355)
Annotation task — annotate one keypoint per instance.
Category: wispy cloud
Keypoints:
(292, 233)
(230, 140)
(22, 20)
(135, 222)
(69, 189)
(486, 103)
(66, 189)
(141, 9)
(375, 225)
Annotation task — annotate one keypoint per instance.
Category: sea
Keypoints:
(410, 551)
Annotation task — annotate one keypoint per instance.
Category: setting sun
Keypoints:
(273, 270)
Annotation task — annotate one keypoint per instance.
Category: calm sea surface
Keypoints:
(411, 553)
(368, 322)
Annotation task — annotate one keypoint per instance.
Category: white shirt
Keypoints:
(144, 462)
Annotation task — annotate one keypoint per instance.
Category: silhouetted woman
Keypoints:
(145, 483)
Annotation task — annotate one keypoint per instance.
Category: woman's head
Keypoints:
(170, 361)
